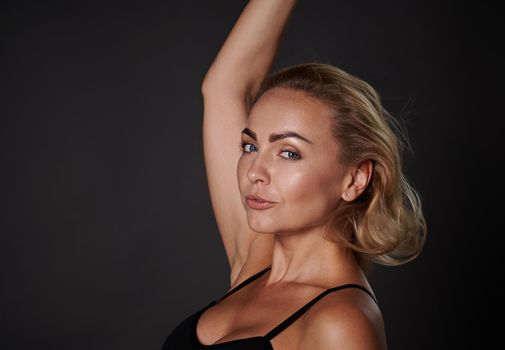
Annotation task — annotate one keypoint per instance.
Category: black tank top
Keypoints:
(184, 337)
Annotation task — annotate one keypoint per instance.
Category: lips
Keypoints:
(254, 204)
(258, 198)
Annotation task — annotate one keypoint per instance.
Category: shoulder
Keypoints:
(347, 319)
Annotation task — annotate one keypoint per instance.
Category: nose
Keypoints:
(258, 170)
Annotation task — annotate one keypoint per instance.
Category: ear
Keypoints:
(356, 180)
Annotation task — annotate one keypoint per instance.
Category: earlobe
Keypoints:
(348, 196)
(359, 178)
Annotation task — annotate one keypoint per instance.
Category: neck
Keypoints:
(309, 258)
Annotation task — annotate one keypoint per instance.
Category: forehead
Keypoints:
(287, 109)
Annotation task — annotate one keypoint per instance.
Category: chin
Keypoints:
(261, 225)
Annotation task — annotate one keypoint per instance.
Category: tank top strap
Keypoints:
(286, 323)
(245, 283)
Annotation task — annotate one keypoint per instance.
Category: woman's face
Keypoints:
(303, 178)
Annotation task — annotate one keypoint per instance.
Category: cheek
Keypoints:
(297, 186)
(307, 201)
(308, 191)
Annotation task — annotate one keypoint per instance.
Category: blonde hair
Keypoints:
(385, 223)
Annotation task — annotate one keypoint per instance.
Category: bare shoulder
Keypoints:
(346, 319)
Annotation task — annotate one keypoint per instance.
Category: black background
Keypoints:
(108, 238)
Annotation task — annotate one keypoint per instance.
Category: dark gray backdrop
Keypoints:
(108, 239)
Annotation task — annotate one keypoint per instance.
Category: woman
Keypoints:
(315, 195)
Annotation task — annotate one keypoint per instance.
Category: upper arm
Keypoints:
(225, 116)
(345, 326)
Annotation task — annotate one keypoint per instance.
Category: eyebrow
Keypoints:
(276, 136)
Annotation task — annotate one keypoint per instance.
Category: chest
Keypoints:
(247, 315)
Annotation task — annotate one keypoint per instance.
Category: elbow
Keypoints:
(210, 82)
(204, 86)
(209, 87)
(214, 83)
(221, 89)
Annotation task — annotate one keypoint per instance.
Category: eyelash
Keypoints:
(242, 144)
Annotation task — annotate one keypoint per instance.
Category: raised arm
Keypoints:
(240, 66)
(248, 52)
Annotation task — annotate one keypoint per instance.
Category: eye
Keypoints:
(293, 154)
(296, 155)
(242, 145)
